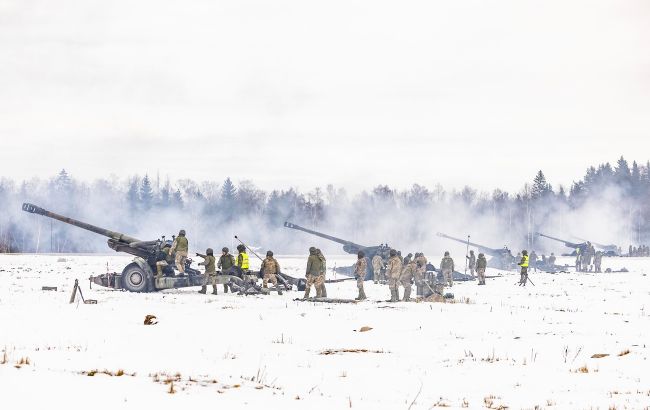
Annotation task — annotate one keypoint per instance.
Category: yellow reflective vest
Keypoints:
(524, 261)
(243, 262)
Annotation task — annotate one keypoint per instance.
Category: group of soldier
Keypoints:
(640, 251)
(587, 255)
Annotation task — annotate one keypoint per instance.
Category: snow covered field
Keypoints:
(507, 346)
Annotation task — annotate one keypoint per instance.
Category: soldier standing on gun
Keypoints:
(406, 277)
(180, 247)
(377, 265)
(472, 262)
(210, 271)
(481, 265)
(270, 267)
(394, 271)
(225, 264)
(323, 271)
(163, 259)
(533, 260)
(313, 273)
(447, 267)
(524, 268)
(360, 270)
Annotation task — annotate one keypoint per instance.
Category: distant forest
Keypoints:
(609, 202)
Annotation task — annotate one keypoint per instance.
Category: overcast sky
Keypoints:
(304, 93)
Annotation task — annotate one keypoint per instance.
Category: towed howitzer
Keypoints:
(501, 257)
(575, 246)
(608, 250)
(348, 247)
(138, 276)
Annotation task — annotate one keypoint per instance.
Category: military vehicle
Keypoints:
(501, 258)
(348, 247)
(138, 276)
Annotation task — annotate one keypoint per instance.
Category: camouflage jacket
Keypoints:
(226, 262)
(481, 263)
(323, 262)
(472, 260)
(409, 270)
(360, 268)
(377, 262)
(208, 262)
(270, 266)
(421, 263)
(447, 263)
(394, 269)
(180, 244)
(314, 265)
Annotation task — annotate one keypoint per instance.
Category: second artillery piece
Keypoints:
(501, 258)
(348, 247)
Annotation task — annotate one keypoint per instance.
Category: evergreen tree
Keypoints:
(541, 188)
(132, 197)
(228, 192)
(146, 193)
(177, 199)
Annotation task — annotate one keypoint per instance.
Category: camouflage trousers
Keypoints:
(210, 279)
(181, 256)
(405, 280)
(481, 276)
(472, 269)
(448, 275)
(160, 265)
(269, 277)
(524, 276)
(318, 281)
(393, 283)
(376, 275)
(360, 280)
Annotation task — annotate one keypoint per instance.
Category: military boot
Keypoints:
(319, 292)
(393, 295)
(214, 290)
(204, 288)
(306, 296)
(323, 291)
(225, 288)
(362, 294)
(407, 295)
(277, 287)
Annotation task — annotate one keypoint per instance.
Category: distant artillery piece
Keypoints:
(608, 250)
(501, 257)
(138, 276)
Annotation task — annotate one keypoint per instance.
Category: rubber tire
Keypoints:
(134, 279)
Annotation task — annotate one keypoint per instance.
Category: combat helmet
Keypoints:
(393, 252)
(224, 249)
(241, 248)
(209, 251)
(269, 253)
(446, 253)
(360, 254)
(524, 252)
(181, 232)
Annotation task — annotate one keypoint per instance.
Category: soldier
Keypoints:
(394, 271)
(420, 271)
(323, 271)
(408, 258)
(401, 258)
(578, 260)
(360, 270)
(598, 259)
(180, 247)
(210, 271)
(481, 265)
(586, 258)
(242, 259)
(472, 262)
(270, 267)
(524, 268)
(312, 273)
(377, 265)
(551, 260)
(407, 275)
(163, 259)
(533, 260)
(447, 267)
(225, 263)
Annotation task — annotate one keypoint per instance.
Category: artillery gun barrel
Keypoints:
(566, 243)
(116, 236)
(349, 247)
(485, 249)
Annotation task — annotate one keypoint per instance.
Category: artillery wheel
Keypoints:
(134, 279)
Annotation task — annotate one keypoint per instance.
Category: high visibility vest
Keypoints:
(525, 264)
(244, 264)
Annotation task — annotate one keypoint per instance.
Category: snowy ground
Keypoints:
(508, 346)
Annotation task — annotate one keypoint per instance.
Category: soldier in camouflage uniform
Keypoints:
(447, 267)
(313, 272)
(551, 260)
(598, 260)
(420, 271)
(407, 259)
(533, 260)
(225, 264)
(180, 246)
(408, 272)
(377, 265)
(481, 265)
(401, 258)
(394, 271)
(323, 271)
(471, 262)
(210, 271)
(270, 267)
(578, 260)
(163, 259)
(360, 270)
